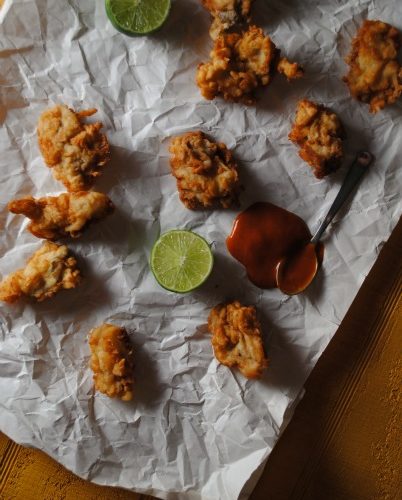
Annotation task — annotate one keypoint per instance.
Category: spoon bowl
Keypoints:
(296, 271)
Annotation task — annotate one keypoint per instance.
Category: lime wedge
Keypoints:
(137, 17)
(181, 261)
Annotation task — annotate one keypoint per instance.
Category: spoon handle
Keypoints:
(355, 173)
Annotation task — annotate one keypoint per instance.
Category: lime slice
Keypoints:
(137, 17)
(181, 261)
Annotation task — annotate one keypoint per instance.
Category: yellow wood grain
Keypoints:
(28, 474)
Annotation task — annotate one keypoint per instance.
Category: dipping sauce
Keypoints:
(262, 236)
(297, 271)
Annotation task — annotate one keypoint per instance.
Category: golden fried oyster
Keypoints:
(375, 76)
(240, 63)
(75, 151)
(112, 361)
(206, 172)
(227, 14)
(48, 270)
(236, 338)
(68, 214)
(319, 133)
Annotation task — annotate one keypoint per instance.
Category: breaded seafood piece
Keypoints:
(112, 361)
(206, 172)
(236, 338)
(48, 270)
(240, 64)
(375, 76)
(227, 14)
(68, 214)
(75, 151)
(319, 133)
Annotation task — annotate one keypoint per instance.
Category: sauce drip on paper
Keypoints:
(262, 236)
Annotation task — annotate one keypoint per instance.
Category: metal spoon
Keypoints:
(295, 272)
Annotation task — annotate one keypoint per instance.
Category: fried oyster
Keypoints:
(206, 172)
(112, 361)
(319, 133)
(76, 152)
(236, 338)
(48, 270)
(68, 214)
(227, 14)
(240, 63)
(375, 76)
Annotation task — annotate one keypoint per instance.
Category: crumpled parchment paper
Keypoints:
(196, 430)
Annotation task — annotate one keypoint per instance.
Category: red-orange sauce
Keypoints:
(298, 270)
(262, 236)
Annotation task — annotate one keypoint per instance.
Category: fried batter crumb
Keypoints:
(206, 172)
(68, 214)
(375, 76)
(112, 361)
(292, 71)
(48, 270)
(227, 14)
(240, 64)
(236, 338)
(76, 152)
(319, 133)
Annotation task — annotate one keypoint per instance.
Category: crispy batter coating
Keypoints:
(227, 14)
(375, 76)
(206, 172)
(112, 361)
(292, 71)
(76, 152)
(236, 338)
(228, 8)
(319, 133)
(68, 214)
(240, 63)
(47, 271)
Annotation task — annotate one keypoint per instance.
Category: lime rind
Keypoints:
(137, 17)
(181, 260)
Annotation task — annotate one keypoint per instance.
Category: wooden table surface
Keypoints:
(343, 442)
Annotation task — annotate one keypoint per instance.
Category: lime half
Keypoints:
(181, 261)
(137, 17)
